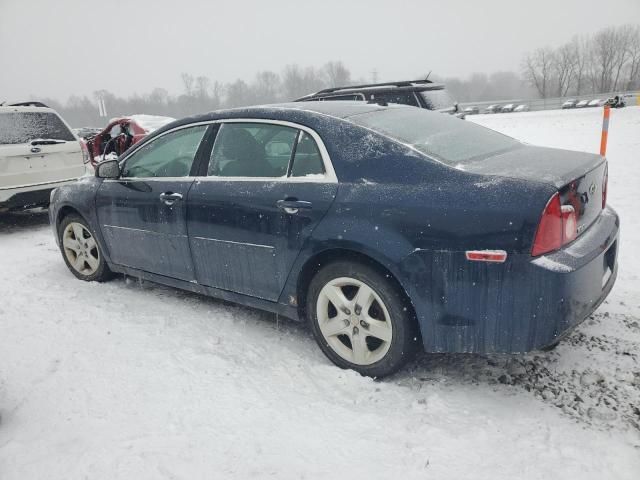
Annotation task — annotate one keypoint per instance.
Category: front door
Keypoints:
(143, 214)
(267, 188)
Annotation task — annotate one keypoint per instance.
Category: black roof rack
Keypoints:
(28, 104)
(405, 83)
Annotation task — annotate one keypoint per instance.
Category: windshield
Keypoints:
(446, 138)
(437, 99)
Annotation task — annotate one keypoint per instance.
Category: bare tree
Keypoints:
(187, 80)
(201, 91)
(538, 70)
(633, 73)
(337, 74)
(579, 50)
(603, 59)
(564, 65)
(293, 82)
(238, 94)
(267, 87)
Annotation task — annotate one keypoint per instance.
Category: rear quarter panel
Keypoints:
(397, 203)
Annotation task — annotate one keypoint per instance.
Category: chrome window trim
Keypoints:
(328, 177)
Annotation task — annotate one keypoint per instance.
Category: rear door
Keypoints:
(267, 187)
(37, 147)
(143, 214)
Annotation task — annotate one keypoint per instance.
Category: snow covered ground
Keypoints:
(133, 381)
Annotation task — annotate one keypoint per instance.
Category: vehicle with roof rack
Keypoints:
(417, 93)
(38, 152)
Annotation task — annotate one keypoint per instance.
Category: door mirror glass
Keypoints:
(108, 169)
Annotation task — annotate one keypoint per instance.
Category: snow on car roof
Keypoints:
(150, 122)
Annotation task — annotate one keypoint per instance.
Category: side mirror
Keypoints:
(108, 169)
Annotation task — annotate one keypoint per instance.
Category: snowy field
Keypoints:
(136, 381)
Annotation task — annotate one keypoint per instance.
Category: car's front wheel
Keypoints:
(81, 251)
(360, 319)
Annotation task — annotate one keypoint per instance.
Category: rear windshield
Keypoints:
(22, 127)
(446, 138)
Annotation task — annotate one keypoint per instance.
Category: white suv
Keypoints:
(38, 152)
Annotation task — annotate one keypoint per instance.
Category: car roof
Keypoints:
(304, 113)
(340, 109)
(275, 111)
(9, 108)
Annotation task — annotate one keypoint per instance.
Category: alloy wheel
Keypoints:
(354, 321)
(81, 249)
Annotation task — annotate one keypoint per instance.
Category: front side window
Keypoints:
(252, 150)
(170, 155)
(22, 127)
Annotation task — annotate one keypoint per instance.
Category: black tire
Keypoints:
(405, 340)
(102, 272)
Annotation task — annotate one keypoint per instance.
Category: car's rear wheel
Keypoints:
(360, 319)
(81, 251)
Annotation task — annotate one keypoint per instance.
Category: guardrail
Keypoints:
(631, 98)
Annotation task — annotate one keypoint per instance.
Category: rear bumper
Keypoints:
(28, 196)
(521, 305)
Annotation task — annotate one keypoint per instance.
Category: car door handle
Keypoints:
(292, 205)
(169, 198)
(35, 149)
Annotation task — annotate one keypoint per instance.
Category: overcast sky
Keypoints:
(64, 47)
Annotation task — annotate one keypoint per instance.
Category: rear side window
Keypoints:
(22, 127)
(356, 96)
(444, 137)
(307, 160)
(437, 99)
(252, 150)
(403, 98)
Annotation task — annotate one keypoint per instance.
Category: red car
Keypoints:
(121, 133)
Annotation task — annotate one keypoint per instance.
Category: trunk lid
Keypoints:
(578, 176)
(20, 167)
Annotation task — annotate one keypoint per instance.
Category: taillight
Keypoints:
(605, 183)
(558, 226)
(85, 152)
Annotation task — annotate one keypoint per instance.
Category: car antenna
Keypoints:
(427, 78)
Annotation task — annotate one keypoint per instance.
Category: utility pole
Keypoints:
(374, 75)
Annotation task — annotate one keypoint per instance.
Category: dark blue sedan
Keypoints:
(388, 228)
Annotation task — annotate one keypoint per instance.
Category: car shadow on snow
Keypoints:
(12, 222)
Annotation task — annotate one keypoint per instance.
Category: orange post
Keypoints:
(605, 130)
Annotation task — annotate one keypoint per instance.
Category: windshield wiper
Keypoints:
(47, 141)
